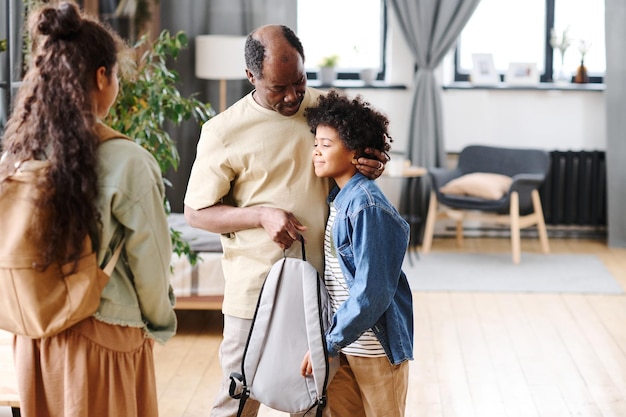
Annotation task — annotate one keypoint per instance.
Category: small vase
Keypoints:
(368, 75)
(563, 77)
(581, 74)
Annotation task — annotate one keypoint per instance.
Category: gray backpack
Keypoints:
(292, 315)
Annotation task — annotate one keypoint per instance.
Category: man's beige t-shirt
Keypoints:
(251, 156)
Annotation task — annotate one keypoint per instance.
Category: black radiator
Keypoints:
(574, 192)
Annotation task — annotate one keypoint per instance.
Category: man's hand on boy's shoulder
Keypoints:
(372, 168)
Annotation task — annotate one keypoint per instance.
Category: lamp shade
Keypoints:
(220, 57)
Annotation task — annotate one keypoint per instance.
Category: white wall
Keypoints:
(551, 120)
(547, 119)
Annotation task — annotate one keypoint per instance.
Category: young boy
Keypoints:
(365, 243)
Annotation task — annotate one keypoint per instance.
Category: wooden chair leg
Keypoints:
(516, 245)
(541, 224)
(429, 228)
(459, 233)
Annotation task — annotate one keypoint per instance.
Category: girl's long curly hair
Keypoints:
(359, 126)
(54, 119)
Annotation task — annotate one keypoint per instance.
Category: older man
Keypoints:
(253, 182)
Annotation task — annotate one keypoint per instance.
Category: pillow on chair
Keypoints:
(479, 184)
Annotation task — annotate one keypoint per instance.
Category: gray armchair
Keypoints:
(517, 205)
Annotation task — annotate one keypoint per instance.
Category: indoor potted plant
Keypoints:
(147, 98)
(327, 73)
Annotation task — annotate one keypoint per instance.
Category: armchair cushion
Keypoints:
(486, 185)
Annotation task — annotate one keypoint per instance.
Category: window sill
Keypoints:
(355, 84)
(538, 87)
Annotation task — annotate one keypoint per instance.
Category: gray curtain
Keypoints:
(430, 27)
(201, 17)
(615, 11)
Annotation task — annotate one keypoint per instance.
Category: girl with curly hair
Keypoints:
(371, 334)
(111, 192)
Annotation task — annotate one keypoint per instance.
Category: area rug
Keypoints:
(537, 273)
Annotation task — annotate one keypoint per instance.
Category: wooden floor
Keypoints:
(476, 354)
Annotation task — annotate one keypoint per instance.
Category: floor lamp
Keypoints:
(220, 57)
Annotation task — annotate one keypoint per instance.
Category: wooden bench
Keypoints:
(8, 382)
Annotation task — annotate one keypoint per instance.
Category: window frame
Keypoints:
(546, 76)
(354, 75)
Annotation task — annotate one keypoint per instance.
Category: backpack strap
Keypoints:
(301, 239)
(242, 401)
(105, 133)
(108, 268)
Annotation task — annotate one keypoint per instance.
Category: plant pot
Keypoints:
(327, 75)
(368, 75)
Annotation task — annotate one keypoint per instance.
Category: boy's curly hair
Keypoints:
(358, 125)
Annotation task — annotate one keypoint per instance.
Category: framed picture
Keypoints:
(522, 73)
(483, 70)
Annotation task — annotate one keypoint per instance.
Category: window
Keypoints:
(519, 31)
(330, 27)
(585, 20)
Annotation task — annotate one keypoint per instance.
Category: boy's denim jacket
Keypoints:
(371, 239)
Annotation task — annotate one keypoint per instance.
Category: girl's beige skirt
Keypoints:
(91, 369)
